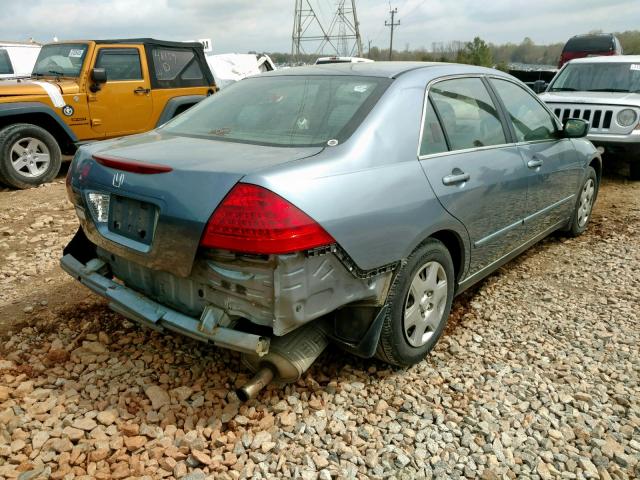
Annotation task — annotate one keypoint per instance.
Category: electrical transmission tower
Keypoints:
(341, 37)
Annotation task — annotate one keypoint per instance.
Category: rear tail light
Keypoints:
(131, 165)
(252, 219)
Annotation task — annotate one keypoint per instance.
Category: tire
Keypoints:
(584, 203)
(29, 156)
(401, 344)
(634, 169)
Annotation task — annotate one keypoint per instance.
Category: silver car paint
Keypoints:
(371, 193)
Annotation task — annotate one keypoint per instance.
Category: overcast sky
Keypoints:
(266, 25)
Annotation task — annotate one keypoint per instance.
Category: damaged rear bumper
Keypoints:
(159, 317)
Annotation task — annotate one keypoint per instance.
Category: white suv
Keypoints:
(604, 91)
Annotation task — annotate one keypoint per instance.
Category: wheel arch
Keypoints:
(177, 105)
(596, 164)
(41, 116)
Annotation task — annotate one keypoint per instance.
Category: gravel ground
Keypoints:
(536, 376)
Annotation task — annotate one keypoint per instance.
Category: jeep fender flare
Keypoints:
(28, 108)
(176, 103)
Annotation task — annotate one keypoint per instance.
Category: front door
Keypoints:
(553, 166)
(476, 173)
(123, 105)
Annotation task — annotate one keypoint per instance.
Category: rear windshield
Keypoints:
(598, 77)
(63, 59)
(283, 110)
(597, 43)
(5, 63)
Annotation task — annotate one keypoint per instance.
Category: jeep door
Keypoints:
(553, 167)
(123, 105)
(476, 172)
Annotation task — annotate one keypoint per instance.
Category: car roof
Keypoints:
(608, 59)
(134, 41)
(369, 69)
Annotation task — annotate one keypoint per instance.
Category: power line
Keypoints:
(392, 24)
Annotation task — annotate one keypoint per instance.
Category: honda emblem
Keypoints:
(118, 180)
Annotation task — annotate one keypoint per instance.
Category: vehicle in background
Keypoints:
(91, 90)
(604, 91)
(17, 59)
(349, 202)
(228, 68)
(327, 60)
(590, 45)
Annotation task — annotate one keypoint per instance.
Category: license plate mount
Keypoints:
(132, 219)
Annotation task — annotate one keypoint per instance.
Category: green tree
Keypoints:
(476, 53)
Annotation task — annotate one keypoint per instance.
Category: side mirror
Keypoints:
(99, 76)
(539, 86)
(575, 128)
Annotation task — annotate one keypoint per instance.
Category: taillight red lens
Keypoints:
(252, 219)
(131, 165)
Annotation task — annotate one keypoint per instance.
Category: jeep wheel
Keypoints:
(29, 156)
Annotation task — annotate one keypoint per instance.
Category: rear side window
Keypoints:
(469, 116)
(596, 43)
(5, 63)
(530, 120)
(433, 140)
(174, 67)
(120, 63)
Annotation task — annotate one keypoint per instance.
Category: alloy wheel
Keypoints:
(586, 202)
(425, 303)
(30, 157)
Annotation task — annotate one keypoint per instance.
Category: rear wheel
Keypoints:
(29, 156)
(419, 303)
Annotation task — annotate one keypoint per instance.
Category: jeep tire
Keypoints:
(29, 156)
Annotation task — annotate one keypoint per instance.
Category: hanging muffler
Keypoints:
(289, 357)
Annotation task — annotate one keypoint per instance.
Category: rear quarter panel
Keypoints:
(370, 193)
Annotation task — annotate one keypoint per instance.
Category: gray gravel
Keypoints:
(536, 377)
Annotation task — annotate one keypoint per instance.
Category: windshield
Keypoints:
(5, 63)
(283, 111)
(64, 60)
(598, 77)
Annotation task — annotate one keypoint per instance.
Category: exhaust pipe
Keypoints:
(251, 389)
(288, 358)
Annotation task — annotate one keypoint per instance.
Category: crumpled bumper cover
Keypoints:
(149, 313)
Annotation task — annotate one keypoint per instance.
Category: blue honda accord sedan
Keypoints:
(344, 203)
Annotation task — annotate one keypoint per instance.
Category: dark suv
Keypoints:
(591, 45)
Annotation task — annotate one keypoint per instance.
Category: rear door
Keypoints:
(123, 105)
(476, 172)
(553, 167)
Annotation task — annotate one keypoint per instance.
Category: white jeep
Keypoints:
(605, 91)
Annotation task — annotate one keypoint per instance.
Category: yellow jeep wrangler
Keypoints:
(91, 90)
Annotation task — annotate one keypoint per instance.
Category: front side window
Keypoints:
(530, 119)
(468, 115)
(283, 111)
(433, 140)
(60, 60)
(120, 63)
(598, 77)
(5, 63)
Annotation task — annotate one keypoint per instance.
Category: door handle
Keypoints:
(535, 163)
(141, 91)
(457, 176)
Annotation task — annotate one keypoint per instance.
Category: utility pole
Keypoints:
(369, 50)
(392, 24)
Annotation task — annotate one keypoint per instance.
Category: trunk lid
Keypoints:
(157, 220)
